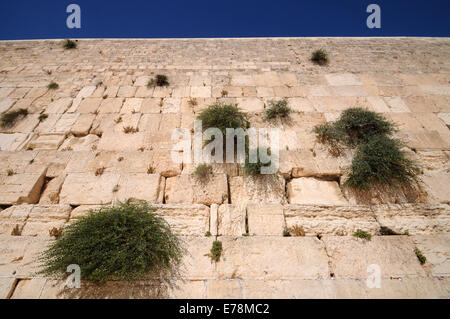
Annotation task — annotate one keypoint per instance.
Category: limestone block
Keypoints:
(7, 285)
(257, 189)
(65, 123)
(48, 124)
(171, 105)
(46, 141)
(185, 220)
(196, 264)
(151, 105)
(110, 105)
(131, 105)
(223, 289)
(148, 187)
(5, 104)
(56, 162)
(436, 249)
(29, 288)
(12, 142)
(330, 220)
(201, 91)
(23, 125)
(445, 117)
(86, 91)
(188, 289)
(436, 185)
(83, 124)
(303, 258)
(265, 219)
(43, 218)
(59, 105)
(351, 256)
(126, 91)
(12, 217)
(12, 251)
(186, 189)
(214, 219)
(342, 79)
(85, 189)
(85, 143)
(21, 188)
(83, 210)
(231, 220)
(89, 105)
(120, 141)
(250, 104)
(306, 190)
(50, 195)
(414, 218)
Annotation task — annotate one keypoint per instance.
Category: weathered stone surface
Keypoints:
(303, 258)
(312, 191)
(12, 217)
(44, 218)
(83, 210)
(46, 141)
(88, 189)
(263, 188)
(265, 219)
(436, 249)
(330, 220)
(29, 288)
(7, 285)
(197, 264)
(230, 220)
(21, 188)
(350, 257)
(149, 187)
(119, 141)
(186, 220)
(186, 189)
(12, 142)
(414, 218)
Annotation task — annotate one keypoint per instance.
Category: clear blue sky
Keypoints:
(40, 19)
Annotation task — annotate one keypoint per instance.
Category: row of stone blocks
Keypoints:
(249, 220)
(260, 266)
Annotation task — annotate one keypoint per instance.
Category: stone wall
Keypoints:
(55, 170)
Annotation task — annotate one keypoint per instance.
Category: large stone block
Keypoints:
(257, 189)
(302, 258)
(149, 187)
(436, 249)
(7, 285)
(350, 257)
(13, 217)
(330, 220)
(185, 220)
(265, 219)
(187, 189)
(43, 218)
(231, 220)
(414, 218)
(305, 190)
(120, 141)
(21, 188)
(88, 189)
(46, 141)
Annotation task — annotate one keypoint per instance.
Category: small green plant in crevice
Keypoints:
(216, 250)
(53, 85)
(55, 232)
(208, 234)
(362, 234)
(16, 231)
(203, 172)
(320, 57)
(223, 116)
(254, 169)
(277, 109)
(420, 256)
(42, 117)
(127, 241)
(69, 44)
(158, 80)
(10, 172)
(379, 160)
(130, 129)
(286, 233)
(10, 118)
